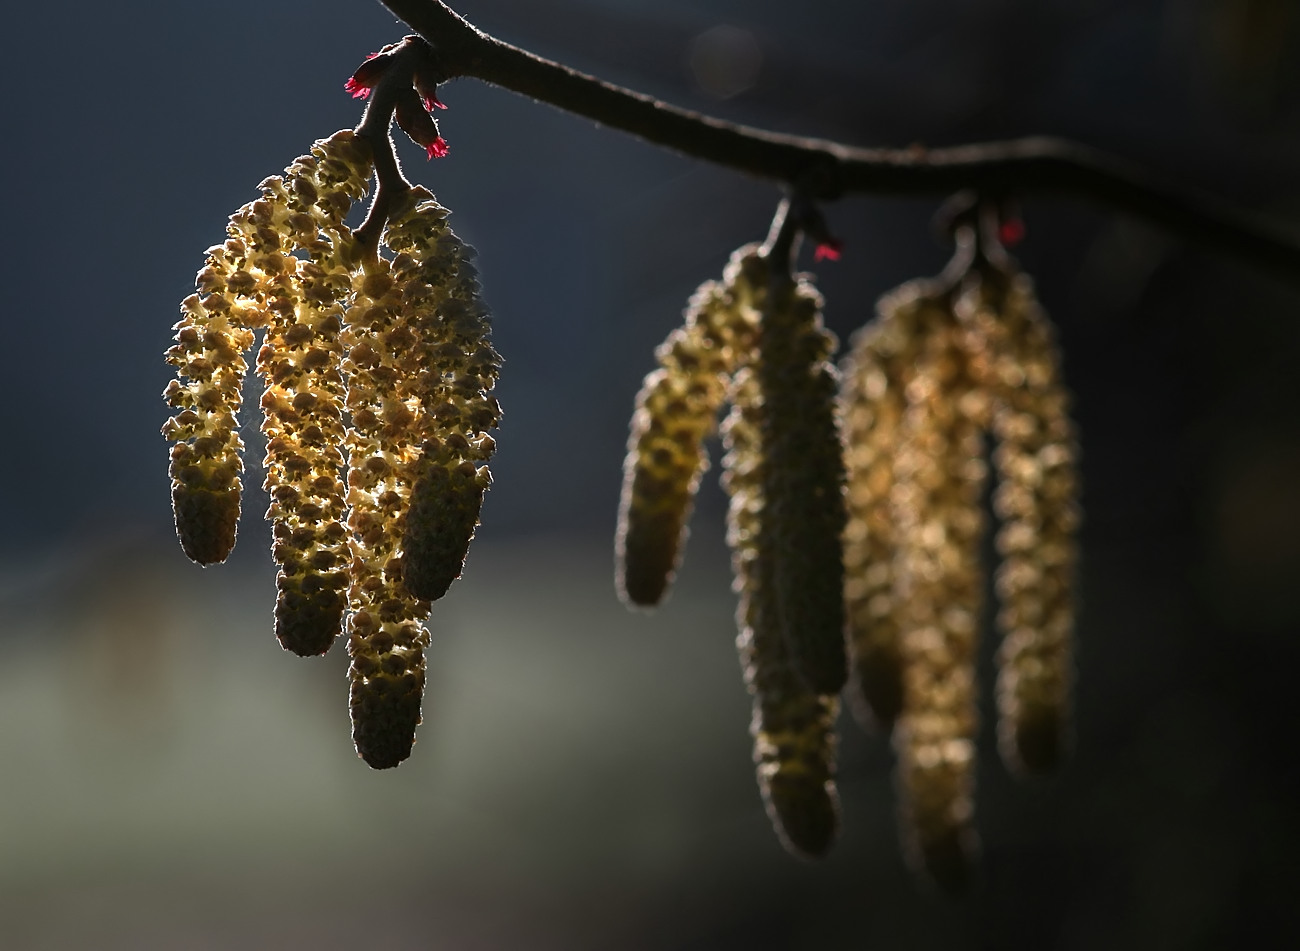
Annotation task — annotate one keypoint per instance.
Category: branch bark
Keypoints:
(824, 169)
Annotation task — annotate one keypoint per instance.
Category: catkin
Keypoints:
(804, 482)
(879, 368)
(452, 368)
(1036, 501)
(793, 727)
(386, 639)
(242, 282)
(940, 473)
(301, 364)
(676, 410)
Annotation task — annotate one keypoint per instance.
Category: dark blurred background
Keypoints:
(170, 779)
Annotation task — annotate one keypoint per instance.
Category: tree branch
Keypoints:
(825, 170)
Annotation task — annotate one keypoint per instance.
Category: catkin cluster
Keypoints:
(755, 341)
(945, 364)
(384, 359)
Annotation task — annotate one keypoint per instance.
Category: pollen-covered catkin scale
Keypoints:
(1036, 500)
(940, 475)
(386, 640)
(452, 368)
(676, 410)
(301, 364)
(793, 727)
(804, 482)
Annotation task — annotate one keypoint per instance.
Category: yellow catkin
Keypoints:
(793, 727)
(1036, 501)
(301, 364)
(804, 482)
(877, 372)
(676, 410)
(939, 478)
(241, 284)
(386, 640)
(452, 369)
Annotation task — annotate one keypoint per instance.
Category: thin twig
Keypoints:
(823, 169)
(374, 127)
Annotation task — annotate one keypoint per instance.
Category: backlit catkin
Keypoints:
(803, 482)
(793, 727)
(937, 498)
(386, 639)
(301, 364)
(377, 346)
(1036, 501)
(452, 369)
(877, 372)
(676, 410)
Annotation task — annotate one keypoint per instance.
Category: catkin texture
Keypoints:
(301, 365)
(873, 398)
(242, 283)
(804, 483)
(1036, 502)
(793, 727)
(452, 368)
(676, 410)
(386, 640)
(940, 474)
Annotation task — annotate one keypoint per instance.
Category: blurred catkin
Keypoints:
(877, 372)
(803, 482)
(937, 499)
(676, 410)
(1015, 358)
(793, 726)
(946, 363)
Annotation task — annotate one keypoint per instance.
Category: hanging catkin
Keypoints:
(937, 499)
(804, 482)
(1015, 357)
(793, 727)
(302, 403)
(676, 410)
(452, 368)
(873, 399)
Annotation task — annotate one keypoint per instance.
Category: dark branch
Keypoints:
(823, 169)
(374, 127)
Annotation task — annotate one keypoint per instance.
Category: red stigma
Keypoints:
(1011, 232)
(829, 250)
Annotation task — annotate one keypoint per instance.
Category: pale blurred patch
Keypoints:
(725, 61)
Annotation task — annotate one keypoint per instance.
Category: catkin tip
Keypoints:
(207, 521)
(307, 624)
(439, 527)
(385, 712)
(1033, 742)
(805, 814)
(875, 694)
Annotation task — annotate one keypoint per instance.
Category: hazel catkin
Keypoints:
(676, 410)
(1036, 501)
(793, 726)
(804, 482)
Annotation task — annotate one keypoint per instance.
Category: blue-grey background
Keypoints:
(170, 779)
